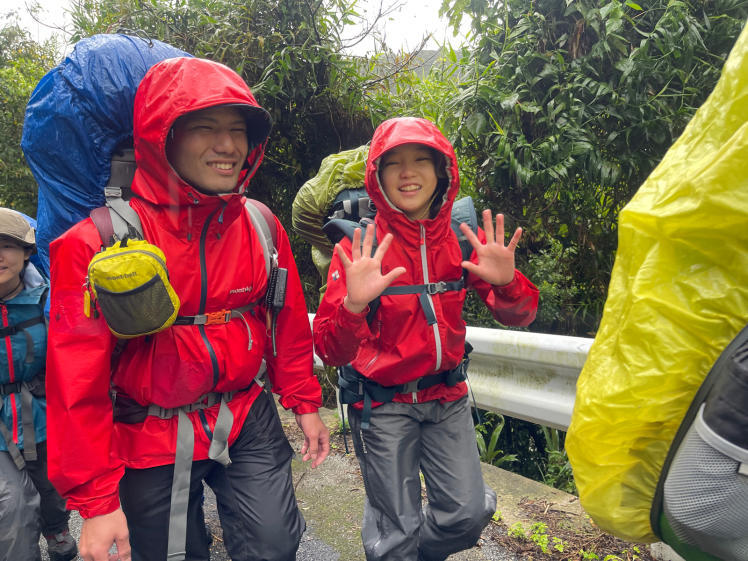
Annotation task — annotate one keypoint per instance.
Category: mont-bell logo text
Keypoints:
(123, 276)
(240, 290)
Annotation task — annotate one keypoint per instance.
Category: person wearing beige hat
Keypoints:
(29, 504)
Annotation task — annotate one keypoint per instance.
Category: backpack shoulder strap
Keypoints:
(263, 221)
(338, 228)
(103, 222)
(125, 220)
(117, 219)
(463, 211)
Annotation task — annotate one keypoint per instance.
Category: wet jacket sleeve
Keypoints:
(291, 366)
(515, 303)
(79, 409)
(338, 332)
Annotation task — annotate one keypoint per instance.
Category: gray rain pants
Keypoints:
(29, 505)
(20, 522)
(439, 440)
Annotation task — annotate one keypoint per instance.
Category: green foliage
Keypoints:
(556, 470)
(517, 531)
(539, 536)
(414, 85)
(558, 544)
(328, 379)
(531, 450)
(517, 445)
(487, 436)
(22, 64)
(568, 107)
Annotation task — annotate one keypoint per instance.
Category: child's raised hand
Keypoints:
(495, 260)
(363, 273)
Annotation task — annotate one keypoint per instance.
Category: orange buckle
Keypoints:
(214, 318)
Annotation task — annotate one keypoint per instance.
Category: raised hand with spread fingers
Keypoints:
(495, 260)
(363, 272)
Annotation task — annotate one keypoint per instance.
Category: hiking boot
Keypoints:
(61, 547)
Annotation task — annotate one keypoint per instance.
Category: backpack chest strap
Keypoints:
(425, 291)
(214, 318)
(20, 327)
(220, 317)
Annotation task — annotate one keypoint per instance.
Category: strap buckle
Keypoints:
(436, 287)
(11, 388)
(410, 387)
(219, 317)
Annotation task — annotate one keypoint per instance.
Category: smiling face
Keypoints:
(12, 259)
(408, 177)
(209, 147)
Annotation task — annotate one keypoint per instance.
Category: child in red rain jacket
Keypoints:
(413, 413)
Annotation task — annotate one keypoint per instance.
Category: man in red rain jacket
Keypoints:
(199, 136)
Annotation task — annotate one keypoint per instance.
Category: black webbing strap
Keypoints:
(354, 387)
(424, 291)
(13, 387)
(20, 326)
(11, 330)
(210, 318)
(430, 288)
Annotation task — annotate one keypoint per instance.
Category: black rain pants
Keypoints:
(256, 503)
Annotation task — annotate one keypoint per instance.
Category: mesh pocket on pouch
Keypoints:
(145, 309)
(706, 496)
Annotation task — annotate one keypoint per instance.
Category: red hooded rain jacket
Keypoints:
(399, 345)
(215, 262)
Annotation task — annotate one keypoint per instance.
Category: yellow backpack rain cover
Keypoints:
(678, 295)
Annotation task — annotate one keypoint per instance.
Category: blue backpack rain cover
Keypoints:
(78, 114)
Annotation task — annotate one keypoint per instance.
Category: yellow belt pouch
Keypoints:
(131, 284)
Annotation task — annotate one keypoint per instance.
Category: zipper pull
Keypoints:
(87, 304)
(86, 299)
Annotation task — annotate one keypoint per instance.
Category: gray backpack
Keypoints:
(701, 501)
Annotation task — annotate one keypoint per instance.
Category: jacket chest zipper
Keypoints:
(204, 296)
(11, 373)
(437, 338)
(8, 346)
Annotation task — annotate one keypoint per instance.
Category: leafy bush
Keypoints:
(22, 64)
(567, 108)
(487, 435)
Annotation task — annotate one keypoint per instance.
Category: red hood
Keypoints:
(170, 89)
(406, 130)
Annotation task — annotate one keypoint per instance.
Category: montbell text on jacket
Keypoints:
(215, 262)
(21, 362)
(399, 345)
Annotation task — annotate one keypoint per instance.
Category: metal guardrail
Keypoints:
(530, 376)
